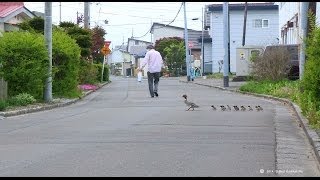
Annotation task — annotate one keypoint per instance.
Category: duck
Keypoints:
(223, 108)
(189, 104)
(236, 108)
(229, 108)
(250, 108)
(214, 108)
(243, 108)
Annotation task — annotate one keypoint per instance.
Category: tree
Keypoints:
(35, 24)
(162, 43)
(175, 56)
(97, 43)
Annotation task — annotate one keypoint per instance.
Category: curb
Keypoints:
(48, 106)
(312, 135)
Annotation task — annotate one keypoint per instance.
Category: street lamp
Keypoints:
(202, 45)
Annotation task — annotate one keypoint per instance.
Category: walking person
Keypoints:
(155, 62)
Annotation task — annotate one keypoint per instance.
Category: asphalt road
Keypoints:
(120, 131)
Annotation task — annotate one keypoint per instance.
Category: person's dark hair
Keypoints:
(150, 46)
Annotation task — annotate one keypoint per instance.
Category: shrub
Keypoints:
(22, 99)
(66, 63)
(24, 63)
(3, 105)
(88, 73)
(105, 72)
(272, 65)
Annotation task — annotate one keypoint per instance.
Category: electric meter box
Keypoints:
(243, 61)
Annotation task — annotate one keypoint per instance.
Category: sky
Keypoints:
(127, 18)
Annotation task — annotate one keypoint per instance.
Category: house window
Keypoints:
(260, 23)
(136, 42)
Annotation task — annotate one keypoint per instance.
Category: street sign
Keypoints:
(107, 43)
(105, 51)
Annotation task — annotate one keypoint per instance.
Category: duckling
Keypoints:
(229, 108)
(189, 104)
(214, 108)
(259, 108)
(223, 108)
(236, 108)
(243, 108)
(250, 108)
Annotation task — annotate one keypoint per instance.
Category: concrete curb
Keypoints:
(312, 135)
(48, 106)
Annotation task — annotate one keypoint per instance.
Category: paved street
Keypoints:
(120, 131)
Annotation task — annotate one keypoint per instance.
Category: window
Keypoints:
(136, 42)
(260, 23)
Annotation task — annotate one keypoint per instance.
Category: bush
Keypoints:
(105, 72)
(88, 73)
(310, 83)
(22, 99)
(273, 65)
(24, 63)
(3, 105)
(66, 63)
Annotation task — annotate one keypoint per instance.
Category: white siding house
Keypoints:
(159, 31)
(262, 29)
(288, 22)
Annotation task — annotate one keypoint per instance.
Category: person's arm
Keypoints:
(144, 62)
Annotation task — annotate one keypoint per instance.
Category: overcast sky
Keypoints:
(126, 18)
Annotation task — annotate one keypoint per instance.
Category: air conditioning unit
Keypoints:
(243, 61)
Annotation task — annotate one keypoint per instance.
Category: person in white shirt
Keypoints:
(155, 63)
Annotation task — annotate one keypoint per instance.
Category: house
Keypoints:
(262, 28)
(137, 49)
(289, 15)
(11, 14)
(120, 61)
(159, 31)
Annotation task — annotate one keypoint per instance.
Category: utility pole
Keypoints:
(202, 45)
(244, 24)
(303, 35)
(186, 41)
(48, 41)
(60, 11)
(86, 15)
(226, 44)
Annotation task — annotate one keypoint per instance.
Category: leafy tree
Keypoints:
(97, 43)
(82, 37)
(162, 43)
(35, 24)
(175, 56)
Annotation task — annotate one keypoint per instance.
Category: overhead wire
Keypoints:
(165, 25)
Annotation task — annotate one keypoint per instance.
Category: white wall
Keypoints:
(287, 10)
(254, 36)
(159, 33)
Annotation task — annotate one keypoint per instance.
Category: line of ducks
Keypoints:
(192, 105)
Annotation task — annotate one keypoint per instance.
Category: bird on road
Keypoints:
(259, 108)
(229, 108)
(243, 108)
(236, 108)
(189, 104)
(214, 108)
(250, 108)
(223, 108)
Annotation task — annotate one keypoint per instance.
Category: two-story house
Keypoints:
(262, 28)
(11, 14)
(137, 49)
(120, 56)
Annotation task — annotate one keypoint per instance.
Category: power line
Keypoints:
(165, 25)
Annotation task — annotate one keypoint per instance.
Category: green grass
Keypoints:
(283, 89)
